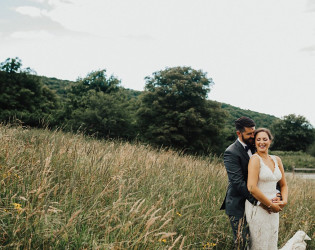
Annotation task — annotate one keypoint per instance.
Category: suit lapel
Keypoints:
(242, 150)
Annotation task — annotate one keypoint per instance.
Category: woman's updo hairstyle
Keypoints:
(263, 130)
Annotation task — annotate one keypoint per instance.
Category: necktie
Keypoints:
(246, 148)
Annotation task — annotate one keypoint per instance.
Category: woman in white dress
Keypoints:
(264, 172)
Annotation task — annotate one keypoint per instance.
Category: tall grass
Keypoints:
(64, 191)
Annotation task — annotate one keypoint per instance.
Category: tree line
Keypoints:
(173, 111)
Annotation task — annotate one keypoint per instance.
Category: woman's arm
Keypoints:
(252, 181)
(283, 185)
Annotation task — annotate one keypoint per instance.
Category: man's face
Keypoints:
(247, 136)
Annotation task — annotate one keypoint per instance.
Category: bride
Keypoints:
(264, 171)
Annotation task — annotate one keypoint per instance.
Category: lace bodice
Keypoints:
(267, 179)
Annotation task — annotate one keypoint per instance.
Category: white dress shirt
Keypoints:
(244, 145)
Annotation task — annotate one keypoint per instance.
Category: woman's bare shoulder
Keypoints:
(278, 158)
(254, 159)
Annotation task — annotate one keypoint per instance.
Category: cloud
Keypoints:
(31, 11)
(141, 37)
(310, 49)
(38, 1)
(27, 23)
(19, 21)
(53, 2)
(310, 6)
(42, 34)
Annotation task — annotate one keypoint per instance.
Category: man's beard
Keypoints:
(249, 142)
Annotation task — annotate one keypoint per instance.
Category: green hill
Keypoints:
(261, 119)
(59, 86)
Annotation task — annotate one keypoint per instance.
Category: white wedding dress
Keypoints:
(263, 227)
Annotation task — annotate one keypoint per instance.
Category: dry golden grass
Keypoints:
(67, 191)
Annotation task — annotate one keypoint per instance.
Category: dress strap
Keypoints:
(273, 157)
(260, 159)
(257, 155)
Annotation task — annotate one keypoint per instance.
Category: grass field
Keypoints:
(65, 191)
(295, 159)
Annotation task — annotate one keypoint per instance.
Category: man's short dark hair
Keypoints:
(244, 122)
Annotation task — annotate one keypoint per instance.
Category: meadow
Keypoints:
(298, 159)
(68, 191)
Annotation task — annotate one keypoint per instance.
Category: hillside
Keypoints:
(57, 85)
(262, 120)
(65, 191)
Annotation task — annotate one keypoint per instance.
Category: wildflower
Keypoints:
(6, 175)
(209, 245)
(163, 240)
(284, 216)
(17, 207)
(178, 214)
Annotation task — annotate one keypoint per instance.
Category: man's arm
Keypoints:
(236, 176)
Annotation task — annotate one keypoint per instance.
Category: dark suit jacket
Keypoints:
(236, 163)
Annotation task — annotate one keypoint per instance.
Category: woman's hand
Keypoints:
(281, 204)
(275, 199)
(275, 207)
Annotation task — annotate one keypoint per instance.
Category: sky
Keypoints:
(260, 54)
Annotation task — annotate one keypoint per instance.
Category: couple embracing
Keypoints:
(257, 189)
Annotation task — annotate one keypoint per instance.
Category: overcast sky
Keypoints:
(260, 54)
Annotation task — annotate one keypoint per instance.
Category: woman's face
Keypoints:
(262, 142)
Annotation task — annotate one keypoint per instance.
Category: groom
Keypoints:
(236, 158)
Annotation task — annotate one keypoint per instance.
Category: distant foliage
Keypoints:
(60, 87)
(261, 120)
(311, 149)
(12, 65)
(293, 133)
(174, 111)
(97, 106)
(23, 96)
(295, 159)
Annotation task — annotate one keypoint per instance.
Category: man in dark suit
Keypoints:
(236, 158)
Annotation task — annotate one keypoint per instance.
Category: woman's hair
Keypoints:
(263, 130)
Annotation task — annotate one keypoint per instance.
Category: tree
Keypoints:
(99, 81)
(292, 133)
(174, 111)
(97, 105)
(12, 65)
(23, 96)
